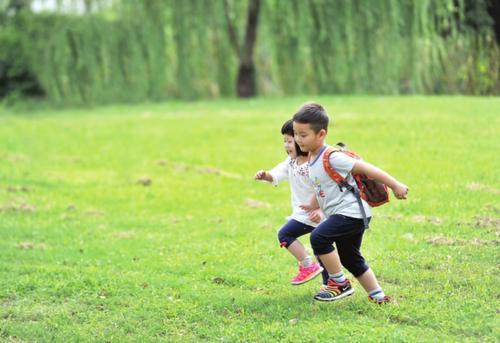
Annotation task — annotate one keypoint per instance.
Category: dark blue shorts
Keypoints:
(347, 234)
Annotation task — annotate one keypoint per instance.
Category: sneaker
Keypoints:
(385, 299)
(334, 291)
(307, 273)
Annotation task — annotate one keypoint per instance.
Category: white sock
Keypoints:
(377, 293)
(306, 262)
(338, 277)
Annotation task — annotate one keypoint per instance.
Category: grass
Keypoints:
(143, 223)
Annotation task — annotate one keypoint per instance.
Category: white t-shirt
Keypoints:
(330, 198)
(301, 187)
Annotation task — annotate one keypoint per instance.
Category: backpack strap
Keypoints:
(339, 179)
(341, 182)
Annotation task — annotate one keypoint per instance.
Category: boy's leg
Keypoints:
(322, 239)
(349, 248)
(308, 269)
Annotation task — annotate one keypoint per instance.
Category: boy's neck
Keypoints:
(317, 150)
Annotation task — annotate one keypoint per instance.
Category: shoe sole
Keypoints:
(312, 276)
(338, 297)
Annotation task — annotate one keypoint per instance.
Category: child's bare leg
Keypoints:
(298, 250)
(331, 261)
(368, 281)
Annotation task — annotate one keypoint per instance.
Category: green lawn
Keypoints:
(90, 251)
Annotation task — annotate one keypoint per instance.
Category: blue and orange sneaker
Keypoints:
(334, 291)
(307, 273)
(385, 299)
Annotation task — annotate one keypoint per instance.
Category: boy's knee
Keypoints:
(320, 244)
(355, 267)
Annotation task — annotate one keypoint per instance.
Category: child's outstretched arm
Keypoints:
(399, 189)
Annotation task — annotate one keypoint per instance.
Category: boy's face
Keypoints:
(289, 144)
(306, 138)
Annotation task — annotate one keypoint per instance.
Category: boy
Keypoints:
(344, 224)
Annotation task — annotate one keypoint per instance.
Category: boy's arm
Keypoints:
(399, 189)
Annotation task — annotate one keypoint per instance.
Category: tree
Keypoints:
(246, 80)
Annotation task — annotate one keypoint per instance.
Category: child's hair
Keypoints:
(313, 114)
(287, 129)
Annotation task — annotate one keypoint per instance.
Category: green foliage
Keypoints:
(132, 51)
(90, 253)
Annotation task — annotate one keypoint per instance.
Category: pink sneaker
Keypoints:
(307, 274)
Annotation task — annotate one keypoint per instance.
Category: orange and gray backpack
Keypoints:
(373, 192)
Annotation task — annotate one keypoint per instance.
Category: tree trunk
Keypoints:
(246, 86)
(494, 12)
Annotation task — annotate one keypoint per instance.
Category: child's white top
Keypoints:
(330, 198)
(301, 186)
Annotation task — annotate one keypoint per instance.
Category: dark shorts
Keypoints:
(347, 234)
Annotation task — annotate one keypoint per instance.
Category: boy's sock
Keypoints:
(377, 293)
(338, 277)
(307, 262)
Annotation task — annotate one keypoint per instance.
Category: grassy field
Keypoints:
(143, 223)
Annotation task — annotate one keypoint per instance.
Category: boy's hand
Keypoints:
(315, 216)
(400, 191)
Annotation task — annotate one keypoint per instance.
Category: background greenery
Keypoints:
(143, 223)
(109, 51)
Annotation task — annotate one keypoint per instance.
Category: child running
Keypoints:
(294, 168)
(344, 224)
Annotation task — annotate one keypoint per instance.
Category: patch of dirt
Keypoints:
(486, 222)
(17, 158)
(392, 217)
(182, 167)
(19, 208)
(31, 246)
(252, 203)
(94, 213)
(408, 237)
(423, 219)
(483, 222)
(443, 240)
(8, 301)
(478, 187)
(492, 208)
(144, 181)
(125, 234)
(216, 171)
(218, 280)
(18, 189)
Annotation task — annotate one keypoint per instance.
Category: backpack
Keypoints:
(373, 192)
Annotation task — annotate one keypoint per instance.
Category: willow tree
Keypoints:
(246, 85)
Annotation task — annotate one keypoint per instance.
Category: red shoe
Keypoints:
(385, 299)
(307, 273)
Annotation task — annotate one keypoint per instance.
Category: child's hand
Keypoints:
(400, 191)
(260, 175)
(308, 207)
(316, 216)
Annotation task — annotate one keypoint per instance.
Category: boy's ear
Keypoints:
(322, 133)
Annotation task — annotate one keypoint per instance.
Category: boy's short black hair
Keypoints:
(287, 129)
(313, 114)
